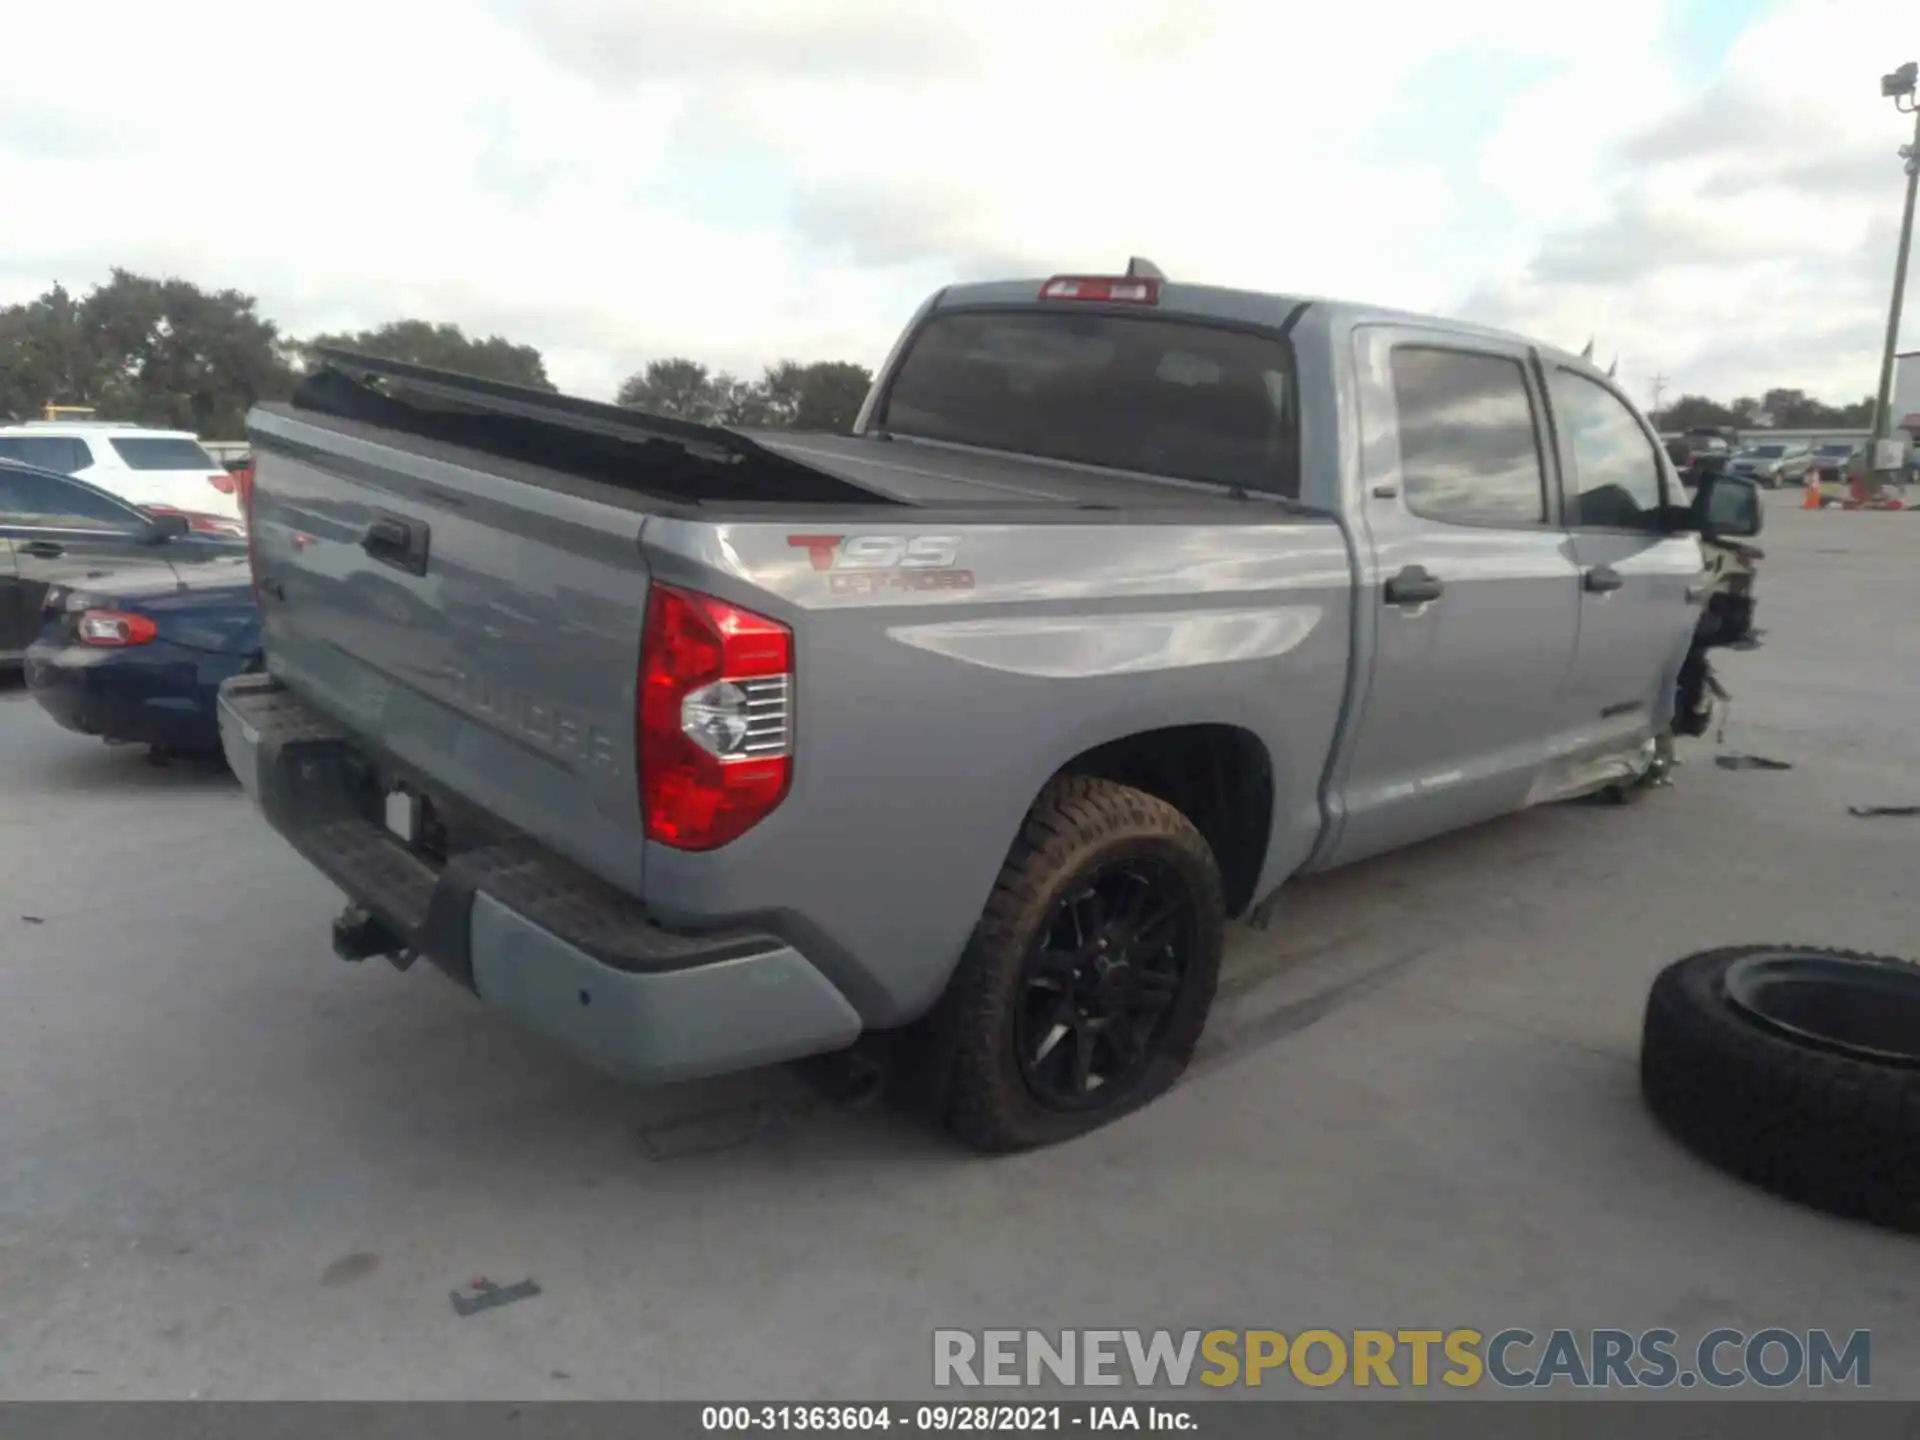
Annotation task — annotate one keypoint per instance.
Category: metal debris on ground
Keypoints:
(1749, 762)
(1871, 810)
(485, 1295)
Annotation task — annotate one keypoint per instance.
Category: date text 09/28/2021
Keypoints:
(976, 1419)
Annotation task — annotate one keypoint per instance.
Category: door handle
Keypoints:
(396, 542)
(1413, 586)
(1601, 579)
(43, 549)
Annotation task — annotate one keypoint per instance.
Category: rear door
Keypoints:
(1636, 614)
(63, 532)
(1470, 609)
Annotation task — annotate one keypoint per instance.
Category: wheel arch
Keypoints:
(1219, 776)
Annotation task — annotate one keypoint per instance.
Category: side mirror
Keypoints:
(1728, 506)
(162, 528)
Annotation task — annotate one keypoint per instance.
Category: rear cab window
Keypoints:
(149, 452)
(1159, 395)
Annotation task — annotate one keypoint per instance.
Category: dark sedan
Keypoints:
(138, 657)
(56, 530)
(127, 620)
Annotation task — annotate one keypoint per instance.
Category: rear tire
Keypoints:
(1051, 975)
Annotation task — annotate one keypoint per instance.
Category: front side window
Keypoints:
(1160, 396)
(50, 501)
(1469, 445)
(1616, 479)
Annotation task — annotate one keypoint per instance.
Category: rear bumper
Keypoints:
(554, 948)
(158, 694)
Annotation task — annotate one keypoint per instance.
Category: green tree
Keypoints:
(825, 395)
(678, 388)
(1694, 410)
(446, 347)
(45, 357)
(158, 351)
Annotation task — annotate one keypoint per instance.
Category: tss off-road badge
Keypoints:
(867, 564)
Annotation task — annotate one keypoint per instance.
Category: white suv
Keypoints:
(145, 467)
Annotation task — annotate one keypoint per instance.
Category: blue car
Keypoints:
(126, 620)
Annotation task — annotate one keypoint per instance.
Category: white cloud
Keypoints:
(1739, 233)
(744, 179)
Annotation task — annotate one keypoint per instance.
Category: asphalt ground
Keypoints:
(232, 1166)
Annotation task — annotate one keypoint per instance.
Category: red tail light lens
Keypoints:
(1113, 289)
(715, 718)
(225, 484)
(113, 629)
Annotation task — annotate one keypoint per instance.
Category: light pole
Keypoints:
(1899, 87)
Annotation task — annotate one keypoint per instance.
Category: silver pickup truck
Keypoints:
(955, 741)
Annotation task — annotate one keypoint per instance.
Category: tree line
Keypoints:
(1777, 409)
(165, 352)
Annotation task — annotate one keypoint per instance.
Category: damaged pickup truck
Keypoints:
(953, 742)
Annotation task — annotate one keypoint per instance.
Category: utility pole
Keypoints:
(1659, 393)
(1900, 87)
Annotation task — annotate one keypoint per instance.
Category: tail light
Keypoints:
(1114, 289)
(114, 629)
(225, 483)
(715, 741)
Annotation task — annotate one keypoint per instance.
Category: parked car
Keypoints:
(1712, 440)
(1774, 463)
(59, 531)
(962, 735)
(145, 467)
(1836, 463)
(138, 656)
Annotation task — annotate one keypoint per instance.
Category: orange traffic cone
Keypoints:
(1815, 498)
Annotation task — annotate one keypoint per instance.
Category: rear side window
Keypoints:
(162, 454)
(1616, 469)
(1469, 445)
(49, 452)
(1121, 391)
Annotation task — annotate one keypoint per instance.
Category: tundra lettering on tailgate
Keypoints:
(865, 564)
(542, 725)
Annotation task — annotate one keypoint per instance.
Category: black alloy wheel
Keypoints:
(1101, 980)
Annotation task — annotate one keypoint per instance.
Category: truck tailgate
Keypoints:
(484, 630)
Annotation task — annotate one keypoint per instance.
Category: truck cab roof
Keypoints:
(1252, 307)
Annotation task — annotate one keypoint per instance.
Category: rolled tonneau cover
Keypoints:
(677, 459)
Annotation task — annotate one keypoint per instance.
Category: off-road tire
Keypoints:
(1830, 1130)
(1075, 825)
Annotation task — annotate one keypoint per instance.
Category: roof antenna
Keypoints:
(1138, 269)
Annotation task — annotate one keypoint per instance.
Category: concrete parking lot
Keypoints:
(231, 1166)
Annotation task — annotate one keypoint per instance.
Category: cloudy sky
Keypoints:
(1709, 186)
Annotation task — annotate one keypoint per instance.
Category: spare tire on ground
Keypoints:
(1796, 1068)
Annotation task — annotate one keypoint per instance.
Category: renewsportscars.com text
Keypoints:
(1413, 1359)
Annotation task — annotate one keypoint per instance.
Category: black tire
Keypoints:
(1077, 830)
(1827, 1128)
